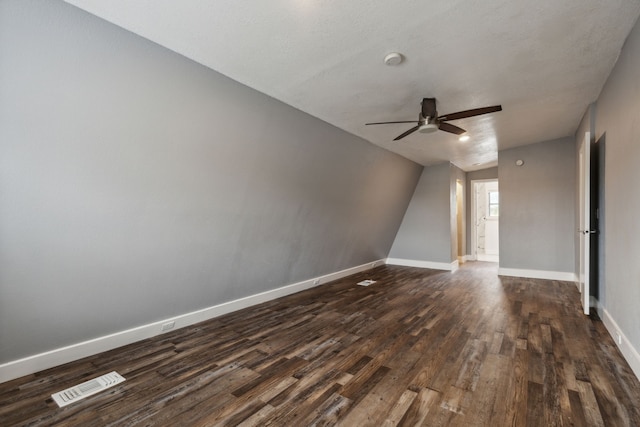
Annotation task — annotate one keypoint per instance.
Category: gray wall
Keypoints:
(490, 173)
(136, 185)
(618, 119)
(537, 206)
(425, 233)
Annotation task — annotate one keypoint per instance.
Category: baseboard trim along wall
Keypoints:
(59, 356)
(424, 264)
(630, 353)
(538, 274)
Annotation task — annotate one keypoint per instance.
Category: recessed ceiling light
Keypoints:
(464, 138)
(394, 58)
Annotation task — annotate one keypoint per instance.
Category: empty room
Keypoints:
(297, 213)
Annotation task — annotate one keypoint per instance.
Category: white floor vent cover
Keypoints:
(87, 388)
(366, 282)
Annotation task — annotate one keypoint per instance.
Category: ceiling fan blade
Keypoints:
(471, 113)
(409, 132)
(429, 107)
(448, 127)
(386, 123)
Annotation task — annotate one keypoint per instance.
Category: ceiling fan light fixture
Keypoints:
(428, 128)
(464, 138)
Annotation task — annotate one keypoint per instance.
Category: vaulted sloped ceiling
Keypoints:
(544, 61)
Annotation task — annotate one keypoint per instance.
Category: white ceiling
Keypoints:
(544, 61)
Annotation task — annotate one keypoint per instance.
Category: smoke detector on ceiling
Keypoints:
(394, 58)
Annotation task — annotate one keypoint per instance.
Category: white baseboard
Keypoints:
(538, 274)
(599, 308)
(424, 264)
(455, 265)
(466, 258)
(630, 353)
(59, 356)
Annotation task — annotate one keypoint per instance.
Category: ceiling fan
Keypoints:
(429, 121)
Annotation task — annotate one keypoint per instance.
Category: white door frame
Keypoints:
(461, 229)
(474, 227)
(584, 195)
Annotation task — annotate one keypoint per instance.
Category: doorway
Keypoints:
(485, 214)
(460, 223)
(590, 198)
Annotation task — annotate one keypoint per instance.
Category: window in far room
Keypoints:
(494, 204)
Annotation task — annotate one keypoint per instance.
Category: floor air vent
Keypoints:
(87, 388)
(366, 282)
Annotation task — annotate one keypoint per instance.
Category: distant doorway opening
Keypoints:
(485, 214)
(460, 222)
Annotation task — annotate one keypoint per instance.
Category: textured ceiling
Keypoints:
(544, 61)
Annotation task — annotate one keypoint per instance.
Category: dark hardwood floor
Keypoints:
(419, 347)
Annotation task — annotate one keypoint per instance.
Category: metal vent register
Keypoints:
(87, 388)
(366, 282)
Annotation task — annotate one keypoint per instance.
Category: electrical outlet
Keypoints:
(169, 325)
(316, 281)
(373, 264)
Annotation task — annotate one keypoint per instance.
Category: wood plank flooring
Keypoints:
(418, 347)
